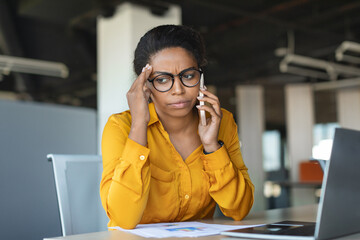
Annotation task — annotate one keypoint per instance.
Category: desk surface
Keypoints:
(303, 213)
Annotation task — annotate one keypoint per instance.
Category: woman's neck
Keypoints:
(176, 125)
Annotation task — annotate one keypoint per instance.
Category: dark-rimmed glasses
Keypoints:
(164, 81)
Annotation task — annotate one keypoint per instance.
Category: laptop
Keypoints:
(339, 207)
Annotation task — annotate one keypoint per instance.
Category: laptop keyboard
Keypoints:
(306, 228)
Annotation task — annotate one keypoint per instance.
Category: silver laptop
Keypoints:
(339, 207)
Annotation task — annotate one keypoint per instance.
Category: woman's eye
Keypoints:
(188, 76)
(162, 80)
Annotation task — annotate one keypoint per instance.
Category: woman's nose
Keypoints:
(178, 87)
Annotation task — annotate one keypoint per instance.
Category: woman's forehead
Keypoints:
(170, 59)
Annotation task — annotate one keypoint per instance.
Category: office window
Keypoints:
(323, 135)
(287, 163)
(271, 150)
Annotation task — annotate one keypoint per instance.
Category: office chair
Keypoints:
(77, 180)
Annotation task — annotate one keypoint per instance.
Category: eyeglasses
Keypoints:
(189, 77)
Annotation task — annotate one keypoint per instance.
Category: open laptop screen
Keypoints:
(339, 209)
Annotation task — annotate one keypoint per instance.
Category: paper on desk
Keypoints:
(180, 229)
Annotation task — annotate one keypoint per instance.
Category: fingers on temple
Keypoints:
(141, 79)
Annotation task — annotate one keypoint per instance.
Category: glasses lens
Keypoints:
(190, 78)
(163, 83)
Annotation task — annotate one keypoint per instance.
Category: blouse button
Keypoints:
(142, 157)
(186, 196)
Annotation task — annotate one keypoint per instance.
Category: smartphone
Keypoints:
(202, 112)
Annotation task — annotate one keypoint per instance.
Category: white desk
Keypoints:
(304, 213)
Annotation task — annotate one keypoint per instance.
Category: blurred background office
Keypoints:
(289, 71)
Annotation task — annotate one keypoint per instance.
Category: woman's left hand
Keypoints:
(209, 132)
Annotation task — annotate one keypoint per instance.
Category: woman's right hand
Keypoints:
(138, 97)
(138, 101)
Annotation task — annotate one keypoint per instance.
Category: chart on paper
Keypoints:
(180, 229)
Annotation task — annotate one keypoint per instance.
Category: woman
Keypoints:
(160, 164)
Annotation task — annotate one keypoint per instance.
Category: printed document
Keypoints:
(180, 229)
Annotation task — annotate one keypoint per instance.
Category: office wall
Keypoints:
(28, 132)
(348, 108)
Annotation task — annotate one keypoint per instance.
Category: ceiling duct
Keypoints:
(316, 68)
(10, 64)
(339, 84)
(347, 46)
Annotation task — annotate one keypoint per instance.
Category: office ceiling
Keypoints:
(241, 36)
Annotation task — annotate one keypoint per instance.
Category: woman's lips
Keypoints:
(179, 104)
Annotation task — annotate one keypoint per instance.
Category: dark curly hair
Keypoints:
(166, 36)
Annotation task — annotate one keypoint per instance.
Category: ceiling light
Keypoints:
(32, 66)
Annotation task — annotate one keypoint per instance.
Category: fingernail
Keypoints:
(200, 97)
(146, 65)
(143, 69)
(149, 67)
(198, 106)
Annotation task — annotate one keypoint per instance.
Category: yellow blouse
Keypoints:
(154, 184)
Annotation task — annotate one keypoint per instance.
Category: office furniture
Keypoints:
(303, 213)
(77, 180)
(28, 132)
(322, 163)
(283, 192)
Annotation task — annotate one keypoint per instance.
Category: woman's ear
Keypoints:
(150, 98)
(148, 85)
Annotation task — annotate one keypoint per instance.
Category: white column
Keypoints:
(250, 119)
(117, 38)
(299, 124)
(348, 108)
